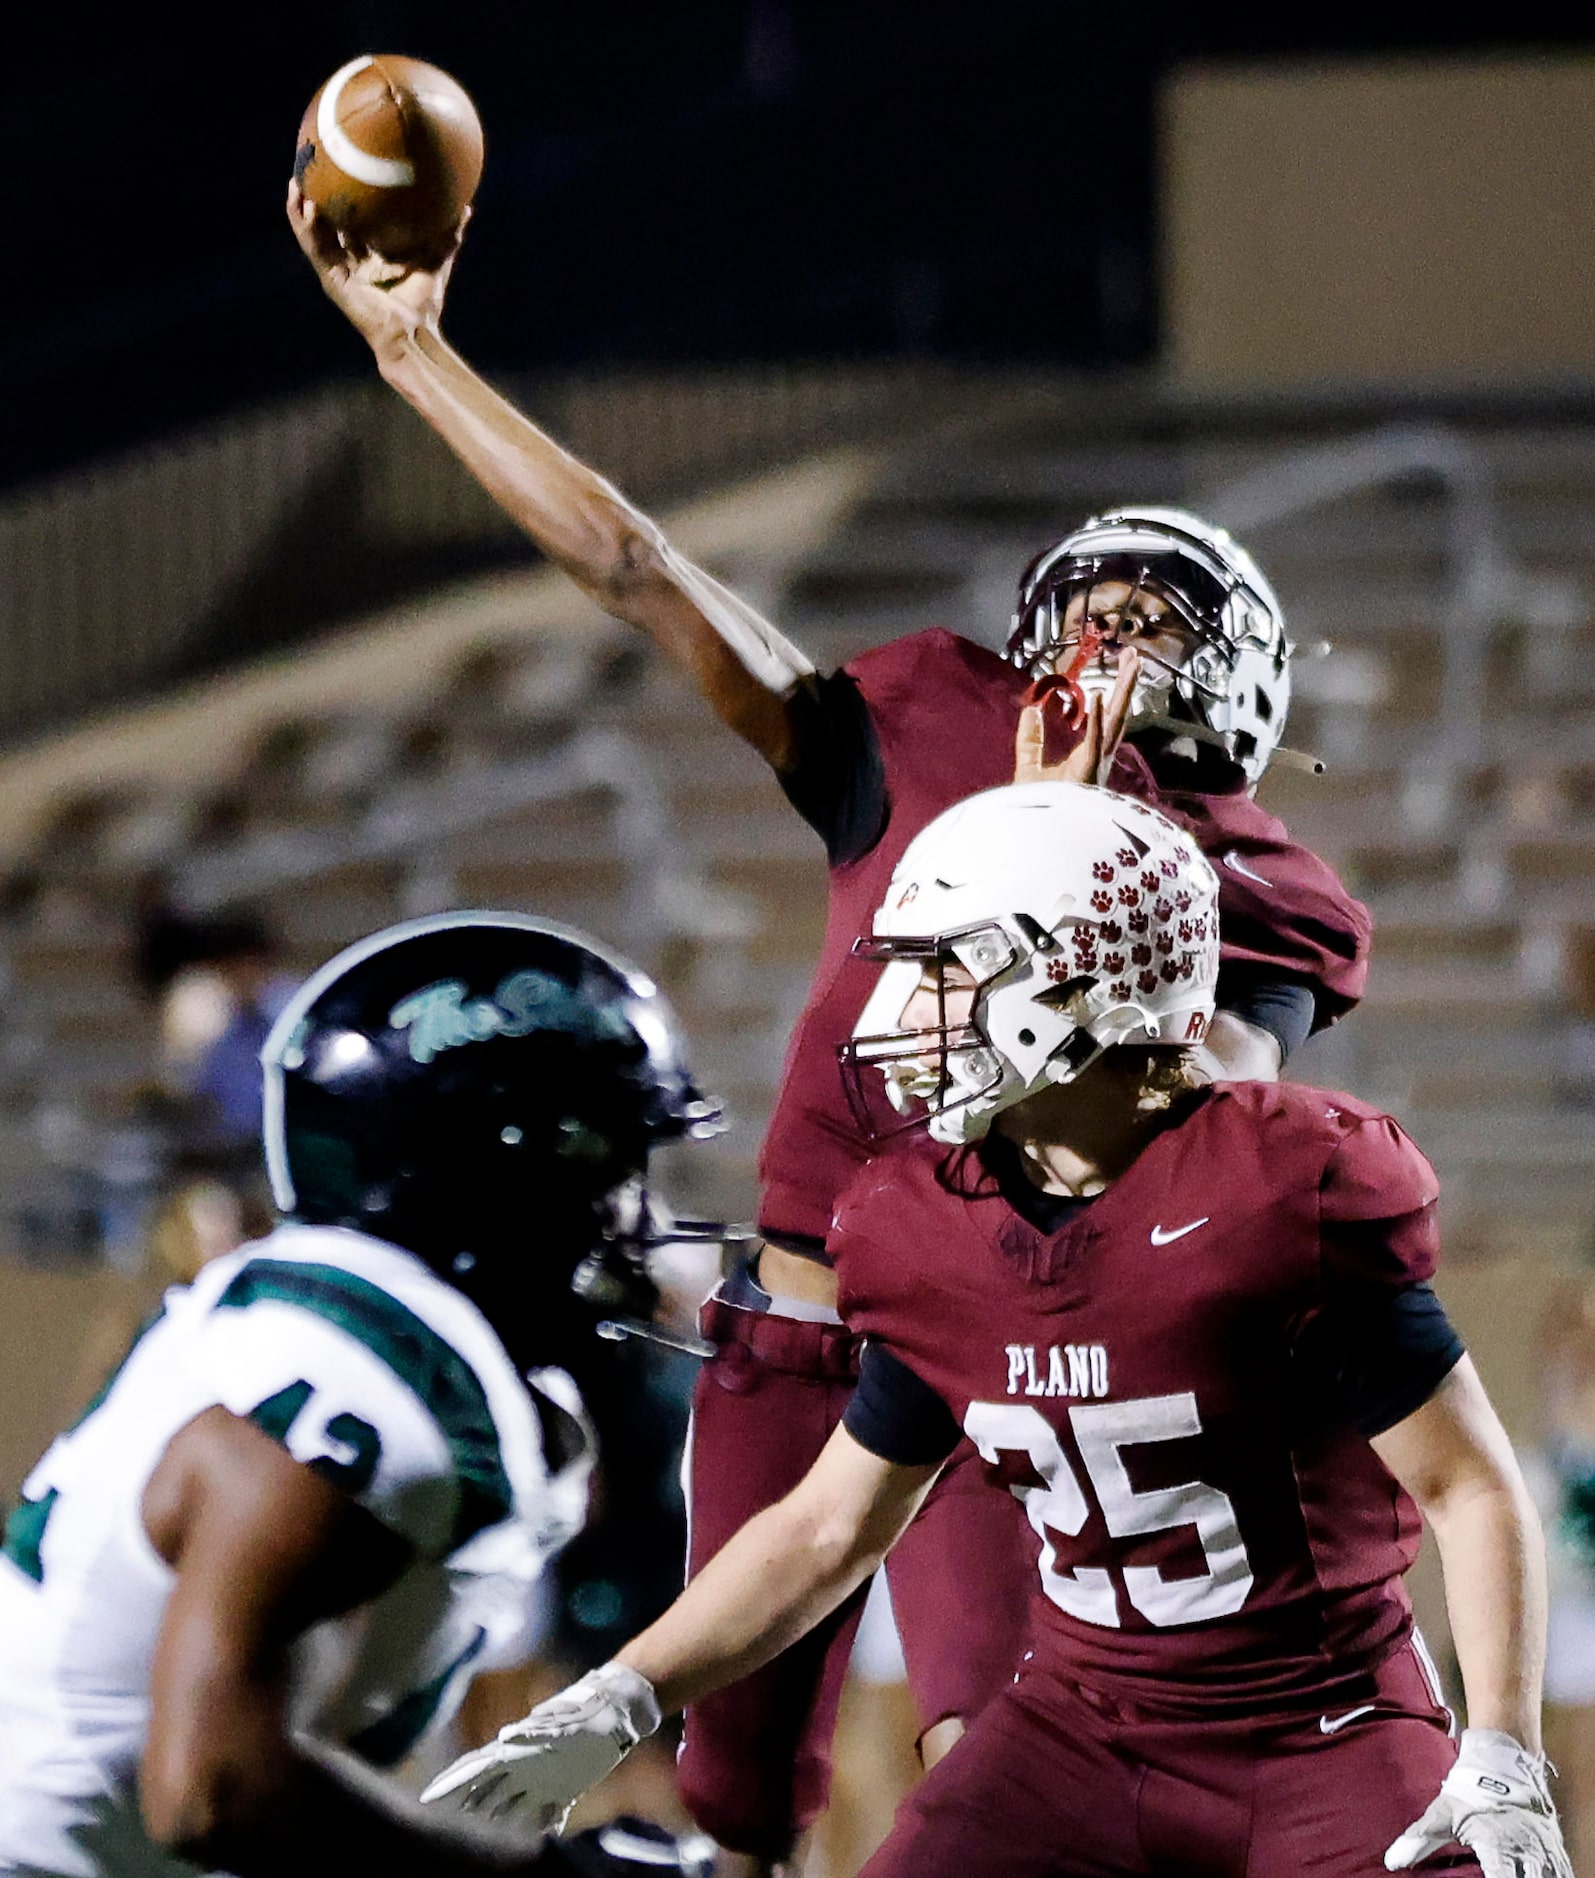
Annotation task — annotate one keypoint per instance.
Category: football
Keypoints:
(390, 152)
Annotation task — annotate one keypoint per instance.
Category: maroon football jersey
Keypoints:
(945, 711)
(1211, 1532)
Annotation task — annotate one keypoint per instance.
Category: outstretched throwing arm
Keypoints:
(743, 666)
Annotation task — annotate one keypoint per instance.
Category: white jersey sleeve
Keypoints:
(356, 1383)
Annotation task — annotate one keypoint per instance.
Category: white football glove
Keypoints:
(540, 1766)
(1496, 1803)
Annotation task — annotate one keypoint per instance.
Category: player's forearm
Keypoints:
(1453, 1456)
(781, 1575)
(1493, 1558)
(616, 554)
(580, 521)
(771, 1585)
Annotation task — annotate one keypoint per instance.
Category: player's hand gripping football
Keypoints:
(1496, 1803)
(539, 1767)
(387, 302)
(1099, 724)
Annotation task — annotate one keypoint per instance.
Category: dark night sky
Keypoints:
(723, 179)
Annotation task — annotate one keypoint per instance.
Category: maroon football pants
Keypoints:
(1055, 1781)
(755, 1762)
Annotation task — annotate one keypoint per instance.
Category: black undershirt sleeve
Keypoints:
(838, 783)
(897, 1416)
(1375, 1355)
(1284, 1007)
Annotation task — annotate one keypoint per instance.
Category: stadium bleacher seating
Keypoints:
(553, 762)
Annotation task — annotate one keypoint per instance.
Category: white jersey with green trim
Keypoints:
(364, 1365)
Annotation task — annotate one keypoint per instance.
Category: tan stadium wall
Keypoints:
(61, 1333)
(1425, 221)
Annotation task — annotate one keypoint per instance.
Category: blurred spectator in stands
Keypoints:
(219, 987)
(216, 982)
(1566, 1483)
(226, 1073)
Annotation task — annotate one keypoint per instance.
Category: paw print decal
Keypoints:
(1100, 870)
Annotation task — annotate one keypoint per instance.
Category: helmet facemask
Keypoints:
(1099, 606)
(941, 1071)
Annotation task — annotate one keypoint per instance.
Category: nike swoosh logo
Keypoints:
(1332, 1724)
(1237, 866)
(1166, 1235)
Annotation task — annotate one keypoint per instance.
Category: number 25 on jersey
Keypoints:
(1102, 1430)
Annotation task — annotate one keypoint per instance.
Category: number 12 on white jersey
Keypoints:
(1103, 1430)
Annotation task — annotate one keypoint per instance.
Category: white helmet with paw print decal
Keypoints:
(1083, 919)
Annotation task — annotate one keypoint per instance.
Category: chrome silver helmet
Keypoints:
(1234, 685)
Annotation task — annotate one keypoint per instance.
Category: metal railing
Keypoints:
(666, 894)
(1484, 586)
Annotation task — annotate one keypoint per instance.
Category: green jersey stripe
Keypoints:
(24, 1534)
(414, 1352)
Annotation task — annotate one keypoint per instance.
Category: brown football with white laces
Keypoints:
(390, 152)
